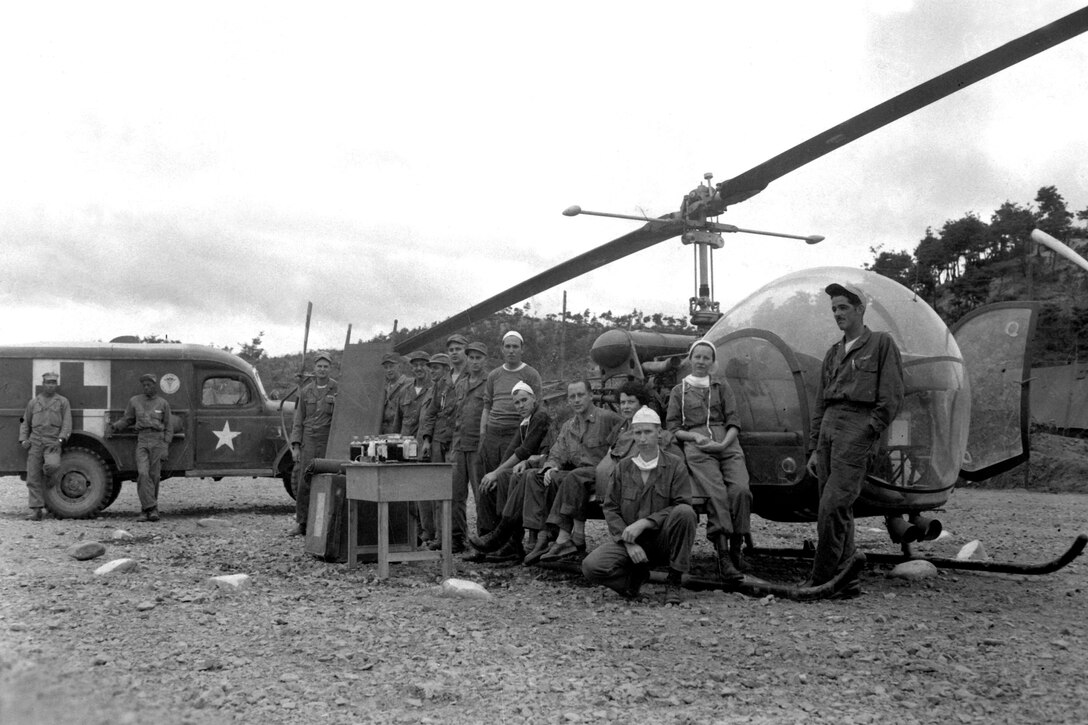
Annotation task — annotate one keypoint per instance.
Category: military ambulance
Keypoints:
(224, 423)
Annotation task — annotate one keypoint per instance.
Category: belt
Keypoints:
(851, 405)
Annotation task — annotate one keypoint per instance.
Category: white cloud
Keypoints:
(203, 173)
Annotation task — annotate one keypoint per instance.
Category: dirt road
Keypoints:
(308, 641)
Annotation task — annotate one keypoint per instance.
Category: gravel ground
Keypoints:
(308, 641)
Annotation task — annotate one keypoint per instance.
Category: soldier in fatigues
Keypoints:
(469, 392)
(649, 516)
(395, 382)
(859, 393)
(310, 433)
(434, 436)
(45, 427)
(413, 397)
(150, 416)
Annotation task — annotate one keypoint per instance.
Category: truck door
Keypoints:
(231, 425)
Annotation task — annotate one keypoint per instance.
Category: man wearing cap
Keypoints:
(859, 392)
(395, 382)
(455, 348)
(434, 437)
(502, 491)
(500, 420)
(414, 394)
(310, 433)
(649, 516)
(46, 425)
(469, 396)
(149, 414)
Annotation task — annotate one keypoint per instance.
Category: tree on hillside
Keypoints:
(1010, 228)
(252, 351)
(1053, 216)
(893, 265)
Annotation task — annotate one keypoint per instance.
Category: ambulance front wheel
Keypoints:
(81, 487)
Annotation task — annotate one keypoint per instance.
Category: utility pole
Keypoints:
(563, 340)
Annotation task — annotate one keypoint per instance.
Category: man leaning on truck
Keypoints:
(44, 428)
(149, 414)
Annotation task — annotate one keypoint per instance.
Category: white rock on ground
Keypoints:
(464, 589)
(86, 550)
(972, 551)
(213, 523)
(117, 566)
(915, 570)
(121, 535)
(230, 581)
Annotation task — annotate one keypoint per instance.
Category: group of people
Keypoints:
(532, 483)
(47, 424)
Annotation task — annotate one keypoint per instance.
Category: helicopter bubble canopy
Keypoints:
(771, 346)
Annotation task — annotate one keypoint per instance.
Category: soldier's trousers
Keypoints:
(492, 504)
(493, 445)
(466, 474)
(572, 496)
(150, 451)
(310, 449)
(610, 565)
(537, 498)
(430, 511)
(721, 479)
(845, 447)
(41, 459)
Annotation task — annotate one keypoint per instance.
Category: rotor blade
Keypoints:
(756, 179)
(646, 236)
(1041, 237)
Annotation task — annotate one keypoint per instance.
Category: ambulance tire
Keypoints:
(115, 491)
(82, 487)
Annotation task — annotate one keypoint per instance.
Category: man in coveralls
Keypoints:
(45, 427)
(150, 416)
(310, 433)
(649, 516)
(859, 392)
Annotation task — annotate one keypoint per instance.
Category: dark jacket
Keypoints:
(629, 499)
(869, 375)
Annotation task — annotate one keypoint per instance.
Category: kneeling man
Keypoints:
(649, 516)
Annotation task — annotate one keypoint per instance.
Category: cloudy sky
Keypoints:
(202, 170)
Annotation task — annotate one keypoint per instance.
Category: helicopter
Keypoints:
(772, 342)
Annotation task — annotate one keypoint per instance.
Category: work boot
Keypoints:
(495, 539)
(36, 514)
(298, 530)
(639, 575)
(736, 547)
(152, 514)
(510, 553)
(726, 571)
(674, 593)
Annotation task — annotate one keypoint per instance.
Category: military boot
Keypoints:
(726, 571)
(736, 555)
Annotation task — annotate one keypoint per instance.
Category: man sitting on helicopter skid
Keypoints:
(649, 517)
(570, 509)
(703, 416)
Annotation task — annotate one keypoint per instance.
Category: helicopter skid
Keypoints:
(750, 586)
(993, 567)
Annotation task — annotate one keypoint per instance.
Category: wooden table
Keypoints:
(386, 482)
